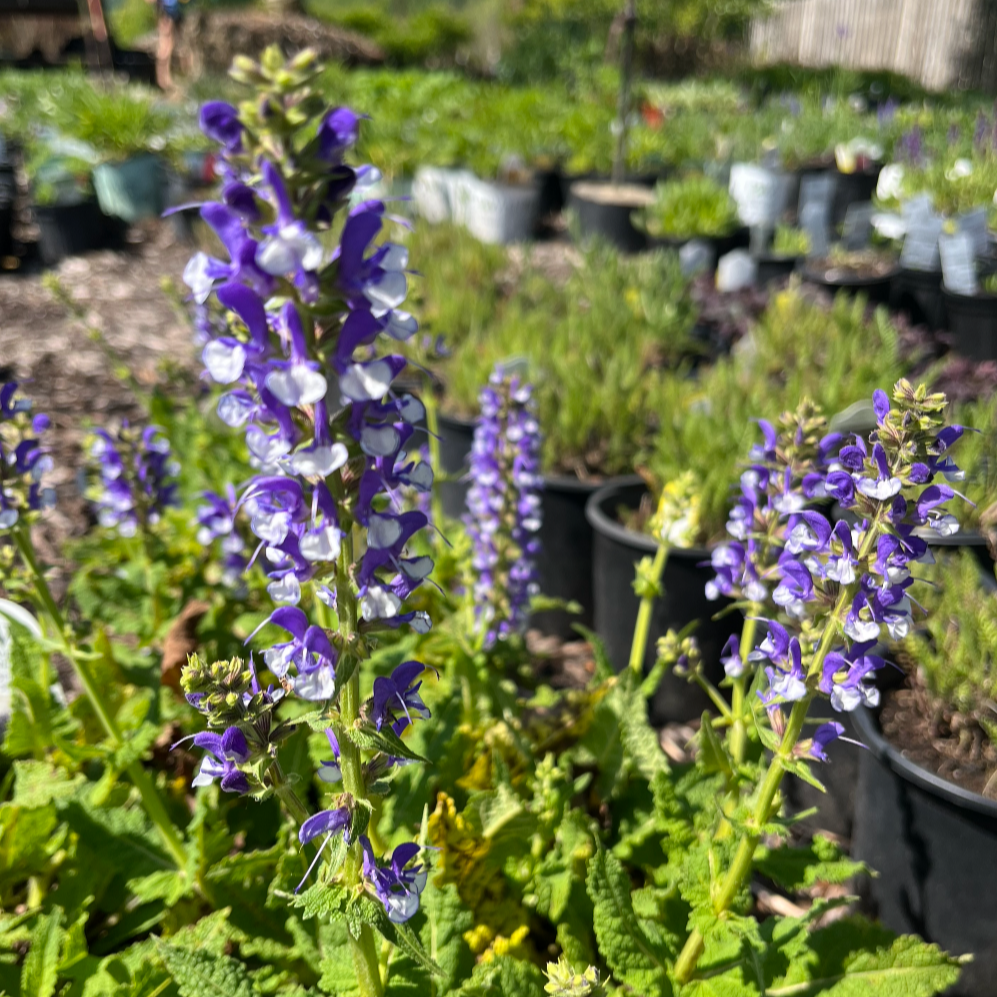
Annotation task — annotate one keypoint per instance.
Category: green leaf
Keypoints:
(39, 783)
(799, 868)
(842, 965)
(39, 974)
(635, 953)
(713, 756)
(368, 738)
(405, 939)
(199, 973)
(321, 900)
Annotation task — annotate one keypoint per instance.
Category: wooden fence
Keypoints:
(943, 44)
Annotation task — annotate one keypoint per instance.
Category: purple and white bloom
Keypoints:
(24, 460)
(396, 699)
(398, 886)
(504, 507)
(225, 752)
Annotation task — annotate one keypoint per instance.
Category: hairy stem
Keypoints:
(433, 435)
(740, 868)
(738, 732)
(639, 646)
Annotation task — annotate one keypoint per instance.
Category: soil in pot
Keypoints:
(615, 555)
(605, 209)
(972, 320)
(923, 825)
(868, 273)
(919, 294)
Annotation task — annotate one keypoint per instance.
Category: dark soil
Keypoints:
(937, 738)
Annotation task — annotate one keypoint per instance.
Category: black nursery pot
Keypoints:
(853, 188)
(919, 293)
(836, 807)
(772, 267)
(934, 846)
(615, 555)
(71, 229)
(565, 561)
(876, 289)
(456, 437)
(608, 220)
(720, 244)
(973, 322)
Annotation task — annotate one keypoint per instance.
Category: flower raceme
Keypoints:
(848, 579)
(504, 509)
(292, 327)
(24, 460)
(137, 477)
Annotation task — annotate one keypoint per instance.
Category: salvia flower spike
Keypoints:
(298, 333)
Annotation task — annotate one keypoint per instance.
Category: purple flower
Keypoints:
(337, 133)
(225, 752)
(397, 886)
(823, 736)
(730, 658)
(220, 122)
(24, 461)
(396, 699)
(504, 507)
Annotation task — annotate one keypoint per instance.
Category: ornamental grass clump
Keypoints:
(685, 209)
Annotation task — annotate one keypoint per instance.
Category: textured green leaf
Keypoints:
(369, 738)
(321, 900)
(199, 973)
(39, 973)
(38, 783)
(852, 958)
(797, 868)
(634, 951)
(713, 756)
(504, 977)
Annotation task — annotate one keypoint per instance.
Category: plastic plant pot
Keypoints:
(605, 211)
(133, 189)
(919, 294)
(876, 289)
(565, 561)
(853, 188)
(615, 555)
(934, 846)
(720, 244)
(772, 268)
(456, 437)
(500, 214)
(70, 229)
(973, 323)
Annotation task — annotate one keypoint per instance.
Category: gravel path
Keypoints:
(70, 377)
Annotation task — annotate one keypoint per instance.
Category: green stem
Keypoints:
(154, 806)
(740, 868)
(365, 960)
(639, 646)
(739, 733)
(433, 432)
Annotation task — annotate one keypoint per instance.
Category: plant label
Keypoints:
(974, 223)
(736, 270)
(920, 250)
(760, 193)
(818, 190)
(814, 221)
(958, 263)
(857, 227)
(917, 208)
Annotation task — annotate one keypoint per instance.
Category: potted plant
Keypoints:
(506, 209)
(799, 348)
(69, 218)
(694, 207)
(867, 270)
(926, 813)
(129, 134)
(789, 246)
